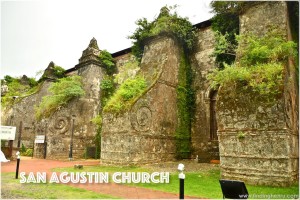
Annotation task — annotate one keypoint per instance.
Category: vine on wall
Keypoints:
(185, 108)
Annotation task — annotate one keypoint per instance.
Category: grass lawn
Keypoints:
(11, 188)
(204, 184)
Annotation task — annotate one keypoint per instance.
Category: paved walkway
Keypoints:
(117, 190)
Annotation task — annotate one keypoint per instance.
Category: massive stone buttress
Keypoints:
(259, 141)
(146, 133)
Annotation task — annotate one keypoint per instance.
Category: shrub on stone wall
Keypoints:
(260, 66)
(63, 91)
(165, 22)
(127, 93)
(107, 61)
(16, 88)
(225, 23)
(59, 72)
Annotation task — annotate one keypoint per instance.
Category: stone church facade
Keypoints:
(145, 133)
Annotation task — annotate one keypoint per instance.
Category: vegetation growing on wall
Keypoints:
(225, 24)
(165, 22)
(17, 89)
(127, 93)
(107, 61)
(63, 91)
(185, 106)
(107, 89)
(260, 66)
(58, 72)
(185, 33)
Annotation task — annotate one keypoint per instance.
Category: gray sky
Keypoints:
(34, 33)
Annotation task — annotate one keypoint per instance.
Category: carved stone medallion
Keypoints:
(60, 125)
(141, 119)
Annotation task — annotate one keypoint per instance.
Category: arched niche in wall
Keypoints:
(213, 115)
(211, 98)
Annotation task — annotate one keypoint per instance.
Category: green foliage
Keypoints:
(241, 135)
(23, 149)
(59, 72)
(270, 48)
(260, 66)
(225, 23)
(63, 92)
(126, 94)
(32, 82)
(183, 30)
(107, 60)
(97, 120)
(138, 36)
(165, 22)
(25, 152)
(225, 49)
(107, 89)
(107, 85)
(185, 107)
(9, 79)
(28, 152)
(15, 88)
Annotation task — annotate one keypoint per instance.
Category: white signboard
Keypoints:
(8, 133)
(39, 139)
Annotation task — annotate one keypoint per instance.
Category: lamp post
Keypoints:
(18, 164)
(181, 177)
(71, 142)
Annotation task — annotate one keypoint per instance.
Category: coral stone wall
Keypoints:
(21, 115)
(58, 128)
(257, 144)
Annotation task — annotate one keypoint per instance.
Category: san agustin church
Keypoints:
(254, 140)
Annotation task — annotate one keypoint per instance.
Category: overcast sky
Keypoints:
(34, 33)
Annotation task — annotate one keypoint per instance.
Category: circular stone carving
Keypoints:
(60, 125)
(141, 119)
